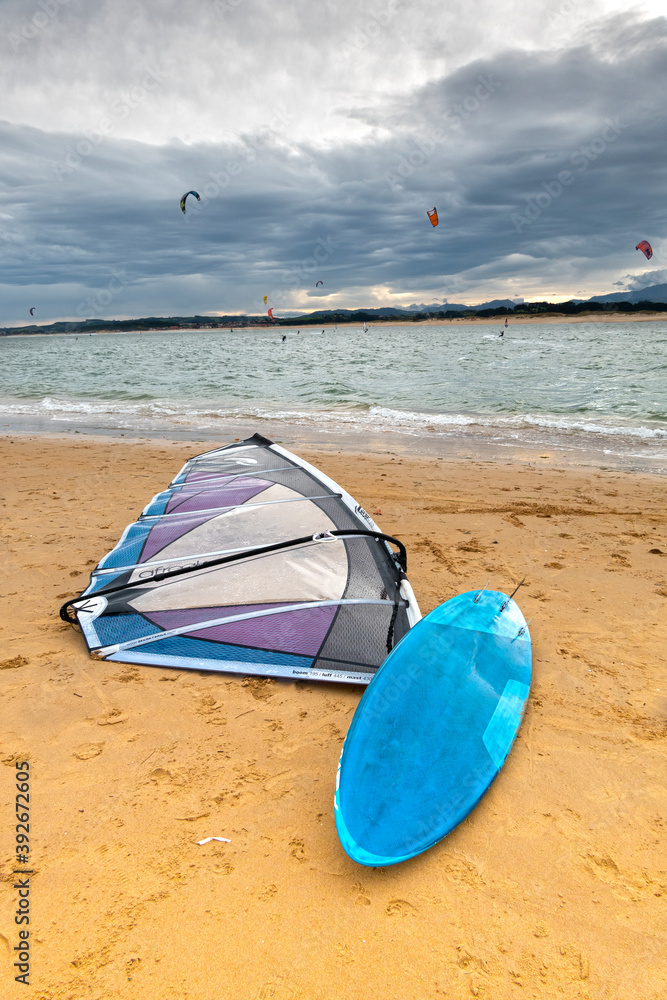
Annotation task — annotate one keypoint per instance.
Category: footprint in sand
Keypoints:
(400, 908)
(13, 663)
(629, 885)
(208, 704)
(260, 687)
(128, 676)
(297, 849)
(161, 774)
(362, 899)
(86, 751)
(112, 718)
(471, 545)
(224, 869)
(278, 989)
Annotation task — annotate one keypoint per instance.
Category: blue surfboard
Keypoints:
(433, 728)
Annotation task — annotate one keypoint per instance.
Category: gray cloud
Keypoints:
(489, 141)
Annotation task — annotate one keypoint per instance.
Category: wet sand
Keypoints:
(554, 886)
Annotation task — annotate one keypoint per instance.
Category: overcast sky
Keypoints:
(318, 134)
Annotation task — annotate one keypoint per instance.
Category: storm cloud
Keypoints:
(317, 141)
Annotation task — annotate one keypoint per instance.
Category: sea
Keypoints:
(590, 394)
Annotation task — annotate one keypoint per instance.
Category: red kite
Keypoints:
(645, 248)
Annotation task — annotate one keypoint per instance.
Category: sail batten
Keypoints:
(232, 619)
(234, 506)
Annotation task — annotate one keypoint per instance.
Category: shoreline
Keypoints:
(550, 319)
(541, 446)
(561, 862)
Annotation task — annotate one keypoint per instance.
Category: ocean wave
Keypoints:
(161, 414)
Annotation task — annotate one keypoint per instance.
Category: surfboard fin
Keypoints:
(505, 604)
(524, 628)
(481, 591)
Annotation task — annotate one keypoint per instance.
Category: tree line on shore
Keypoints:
(327, 317)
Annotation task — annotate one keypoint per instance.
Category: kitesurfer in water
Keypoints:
(284, 337)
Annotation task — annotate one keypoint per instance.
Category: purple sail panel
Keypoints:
(214, 499)
(225, 482)
(301, 632)
(166, 532)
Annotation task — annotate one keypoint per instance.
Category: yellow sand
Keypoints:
(555, 886)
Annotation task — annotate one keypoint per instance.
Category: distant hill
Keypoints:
(654, 297)
(654, 293)
(436, 307)
(383, 312)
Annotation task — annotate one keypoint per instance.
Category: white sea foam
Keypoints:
(145, 415)
(583, 387)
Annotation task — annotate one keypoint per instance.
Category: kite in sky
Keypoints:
(185, 196)
(265, 298)
(433, 216)
(32, 311)
(271, 313)
(318, 283)
(645, 248)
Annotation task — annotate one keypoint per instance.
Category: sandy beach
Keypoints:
(554, 886)
(518, 320)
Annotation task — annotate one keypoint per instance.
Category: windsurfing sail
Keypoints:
(433, 216)
(645, 248)
(254, 562)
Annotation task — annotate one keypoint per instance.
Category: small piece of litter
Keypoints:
(207, 840)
